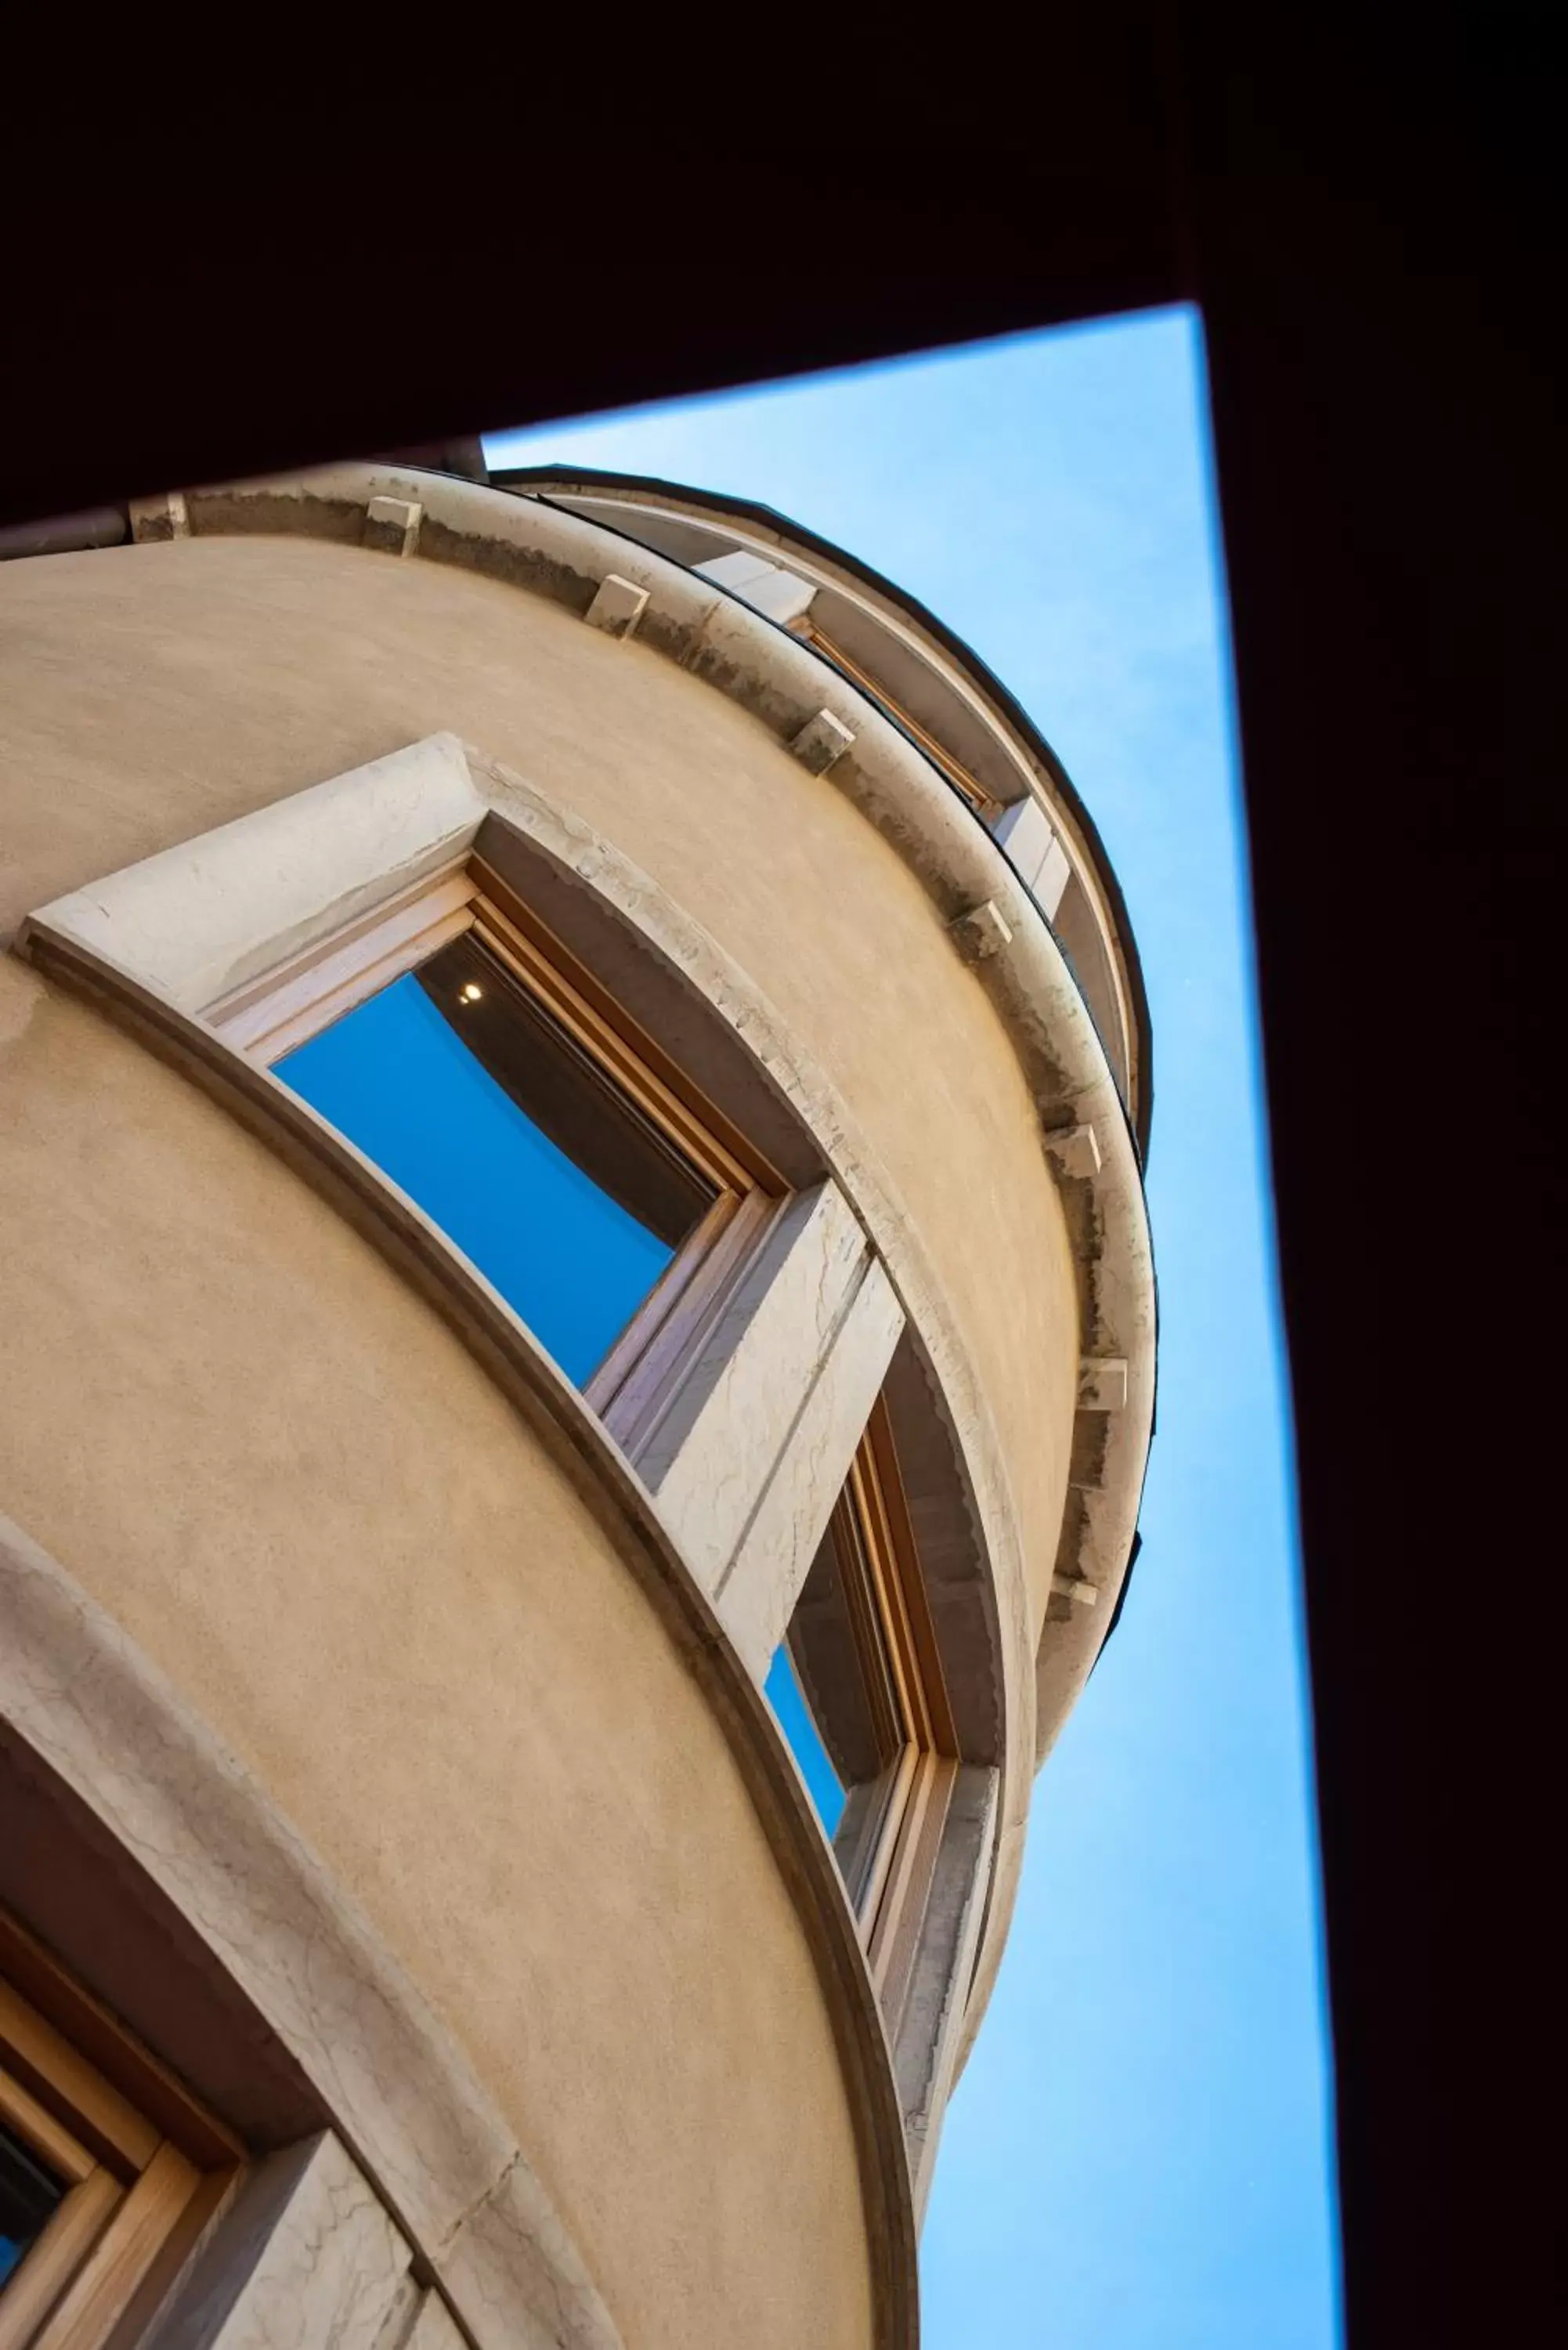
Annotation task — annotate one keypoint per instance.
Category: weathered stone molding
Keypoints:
(933, 2033)
(197, 921)
(716, 1443)
(791, 575)
(305, 2257)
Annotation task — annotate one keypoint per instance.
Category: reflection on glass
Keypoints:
(506, 1134)
(28, 2195)
(794, 1716)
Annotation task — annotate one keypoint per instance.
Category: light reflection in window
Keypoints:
(784, 1693)
(566, 1247)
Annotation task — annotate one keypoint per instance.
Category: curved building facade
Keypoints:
(581, 1360)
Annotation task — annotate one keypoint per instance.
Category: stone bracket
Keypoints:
(1103, 1383)
(617, 607)
(821, 742)
(1076, 1587)
(162, 517)
(982, 932)
(392, 525)
(1075, 1149)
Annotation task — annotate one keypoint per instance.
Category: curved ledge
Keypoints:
(1022, 746)
(479, 2292)
(781, 681)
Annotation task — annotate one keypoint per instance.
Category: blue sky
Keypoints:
(1138, 2157)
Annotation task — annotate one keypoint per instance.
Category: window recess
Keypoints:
(108, 2169)
(464, 1050)
(857, 1687)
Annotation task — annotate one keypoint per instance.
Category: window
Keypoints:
(857, 1689)
(108, 2172)
(30, 2194)
(461, 1048)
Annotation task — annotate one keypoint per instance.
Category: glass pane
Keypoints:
(839, 1648)
(560, 1085)
(787, 1699)
(28, 2196)
(509, 1139)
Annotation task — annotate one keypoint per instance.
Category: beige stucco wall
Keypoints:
(224, 1414)
(229, 1419)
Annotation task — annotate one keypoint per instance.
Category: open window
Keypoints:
(857, 1687)
(461, 1047)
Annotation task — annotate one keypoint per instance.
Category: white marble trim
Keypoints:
(223, 908)
(306, 2259)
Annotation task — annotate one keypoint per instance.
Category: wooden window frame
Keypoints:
(888, 1850)
(146, 2168)
(270, 1016)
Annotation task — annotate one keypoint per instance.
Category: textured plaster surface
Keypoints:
(226, 1415)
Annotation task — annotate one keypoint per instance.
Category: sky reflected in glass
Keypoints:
(792, 1715)
(397, 1079)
